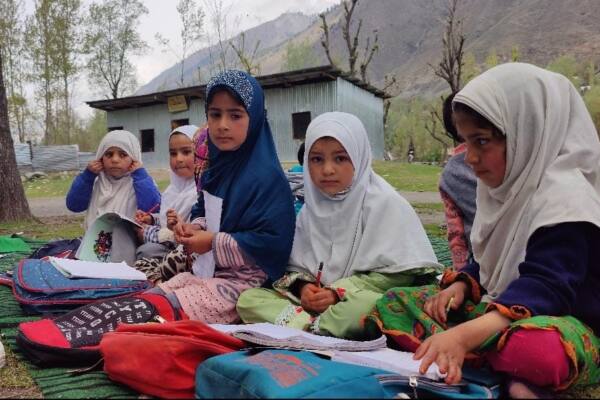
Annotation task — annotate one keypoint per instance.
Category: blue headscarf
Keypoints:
(258, 206)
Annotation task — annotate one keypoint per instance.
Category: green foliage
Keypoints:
(470, 68)
(406, 122)
(592, 101)
(299, 56)
(492, 59)
(568, 66)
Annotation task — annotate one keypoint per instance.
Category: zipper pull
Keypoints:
(413, 383)
(159, 319)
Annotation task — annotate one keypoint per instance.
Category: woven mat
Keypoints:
(57, 382)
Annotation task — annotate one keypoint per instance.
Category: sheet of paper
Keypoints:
(92, 269)
(204, 264)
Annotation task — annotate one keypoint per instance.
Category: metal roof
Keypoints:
(283, 79)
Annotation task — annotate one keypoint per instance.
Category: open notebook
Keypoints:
(93, 269)
(399, 362)
(266, 334)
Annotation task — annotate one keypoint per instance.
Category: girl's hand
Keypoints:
(143, 218)
(172, 218)
(317, 299)
(196, 241)
(135, 165)
(447, 350)
(183, 230)
(436, 305)
(95, 166)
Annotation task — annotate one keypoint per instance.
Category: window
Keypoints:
(175, 123)
(147, 140)
(115, 128)
(300, 122)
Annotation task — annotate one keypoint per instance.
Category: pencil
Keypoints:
(449, 304)
(156, 206)
(319, 272)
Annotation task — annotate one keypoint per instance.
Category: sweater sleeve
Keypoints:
(457, 240)
(80, 193)
(146, 191)
(228, 253)
(556, 264)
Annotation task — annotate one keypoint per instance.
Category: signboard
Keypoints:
(177, 104)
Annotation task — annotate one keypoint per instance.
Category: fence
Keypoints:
(51, 158)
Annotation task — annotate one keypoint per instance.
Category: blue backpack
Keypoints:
(40, 288)
(271, 373)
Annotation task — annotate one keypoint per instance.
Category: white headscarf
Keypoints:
(552, 165)
(181, 193)
(112, 194)
(368, 228)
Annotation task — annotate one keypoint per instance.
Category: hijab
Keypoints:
(114, 194)
(368, 227)
(552, 160)
(258, 208)
(181, 193)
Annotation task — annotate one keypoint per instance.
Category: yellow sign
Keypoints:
(177, 104)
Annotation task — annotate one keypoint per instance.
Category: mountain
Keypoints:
(269, 34)
(410, 36)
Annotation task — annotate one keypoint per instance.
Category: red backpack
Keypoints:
(161, 359)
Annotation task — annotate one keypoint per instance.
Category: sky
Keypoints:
(163, 18)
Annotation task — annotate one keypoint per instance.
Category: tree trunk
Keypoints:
(13, 203)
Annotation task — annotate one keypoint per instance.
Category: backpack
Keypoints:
(40, 288)
(73, 339)
(275, 373)
(64, 248)
(173, 349)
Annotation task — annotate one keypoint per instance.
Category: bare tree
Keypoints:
(192, 22)
(450, 67)
(12, 195)
(218, 14)
(431, 126)
(247, 60)
(110, 40)
(352, 42)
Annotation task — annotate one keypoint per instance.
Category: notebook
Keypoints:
(96, 244)
(270, 335)
(399, 362)
(92, 269)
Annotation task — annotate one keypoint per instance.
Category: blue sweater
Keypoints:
(560, 275)
(80, 194)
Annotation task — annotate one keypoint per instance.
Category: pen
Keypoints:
(156, 206)
(449, 304)
(319, 272)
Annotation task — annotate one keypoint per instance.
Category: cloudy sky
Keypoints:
(163, 18)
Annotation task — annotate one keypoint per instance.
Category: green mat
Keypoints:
(57, 382)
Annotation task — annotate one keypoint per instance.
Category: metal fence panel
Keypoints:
(56, 158)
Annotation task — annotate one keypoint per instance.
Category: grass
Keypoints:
(403, 176)
(15, 381)
(65, 227)
(409, 177)
(428, 208)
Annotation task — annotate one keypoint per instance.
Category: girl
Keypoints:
(355, 238)
(115, 182)
(177, 201)
(244, 232)
(530, 301)
(457, 190)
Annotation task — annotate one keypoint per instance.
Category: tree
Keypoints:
(110, 40)
(218, 15)
(42, 48)
(67, 29)
(450, 67)
(192, 22)
(12, 195)
(12, 50)
(352, 42)
(247, 60)
(299, 55)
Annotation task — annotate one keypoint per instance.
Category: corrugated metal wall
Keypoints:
(55, 158)
(280, 103)
(23, 155)
(368, 108)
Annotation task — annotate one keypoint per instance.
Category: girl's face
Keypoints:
(228, 122)
(486, 152)
(330, 166)
(181, 155)
(116, 162)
